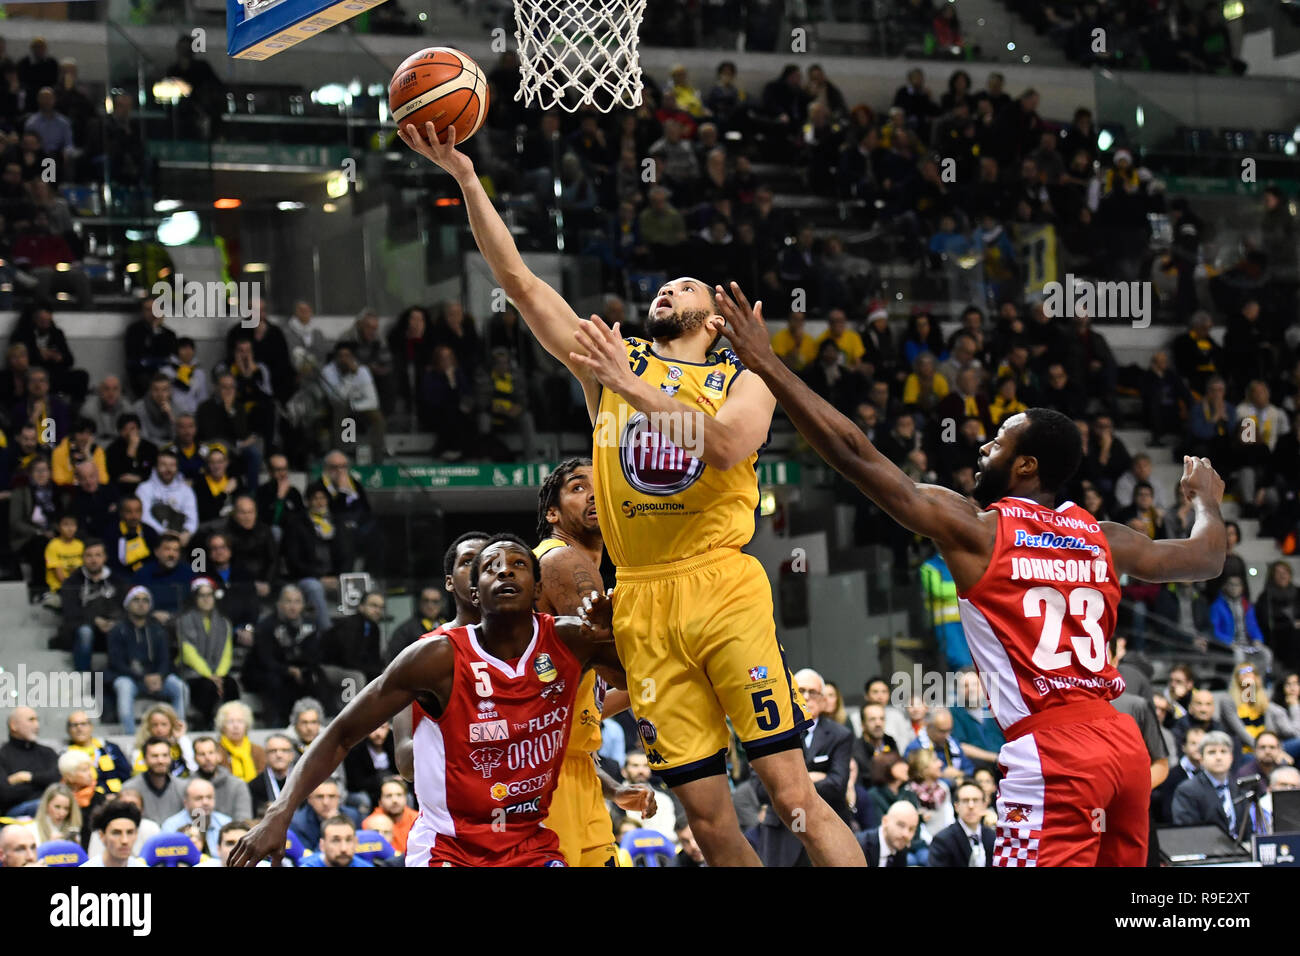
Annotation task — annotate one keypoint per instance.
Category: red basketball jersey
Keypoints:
(1038, 620)
(486, 767)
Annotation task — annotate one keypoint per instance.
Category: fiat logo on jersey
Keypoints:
(652, 464)
(647, 731)
(486, 759)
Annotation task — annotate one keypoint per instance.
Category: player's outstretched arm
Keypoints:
(637, 797)
(544, 310)
(1199, 556)
(420, 668)
(938, 513)
(720, 441)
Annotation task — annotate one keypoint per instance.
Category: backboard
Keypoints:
(258, 29)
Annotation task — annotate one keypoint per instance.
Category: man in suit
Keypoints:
(265, 787)
(1188, 765)
(1211, 796)
(968, 842)
(887, 844)
(827, 746)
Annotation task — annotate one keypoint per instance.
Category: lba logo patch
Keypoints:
(647, 731)
(714, 381)
(491, 730)
(545, 669)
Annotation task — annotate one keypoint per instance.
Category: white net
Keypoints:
(576, 53)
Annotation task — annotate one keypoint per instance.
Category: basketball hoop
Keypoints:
(575, 53)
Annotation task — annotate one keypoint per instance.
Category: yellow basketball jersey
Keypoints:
(657, 502)
(584, 732)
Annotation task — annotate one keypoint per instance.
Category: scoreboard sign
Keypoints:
(258, 29)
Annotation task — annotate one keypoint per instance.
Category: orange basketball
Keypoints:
(442, 86)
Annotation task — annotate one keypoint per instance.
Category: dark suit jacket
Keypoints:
(360, 772)
(950, 846)
(1197, 803)
(260, 790)
(829, 753)
(347, 644)
(870, 842)
(1162, 798)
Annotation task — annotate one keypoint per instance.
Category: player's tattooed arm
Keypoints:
(1199, 556)
(937, 513)
(567, 578)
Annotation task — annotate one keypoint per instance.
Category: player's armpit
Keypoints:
(743, 423)
(1160, 562)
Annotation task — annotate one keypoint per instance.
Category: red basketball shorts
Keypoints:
(1076, 790)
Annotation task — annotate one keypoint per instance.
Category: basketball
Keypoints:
(442, 86)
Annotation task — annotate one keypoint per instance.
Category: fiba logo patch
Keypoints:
(651, 463)
(647, 731)
(545, 669)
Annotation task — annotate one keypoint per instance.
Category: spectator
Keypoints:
(827, 747)
(968, 841)
(394, 807)
(323, 805)
(266, 786)
(1138, 473)
(77, 775)
(933, 793)
(207, 645)
(829, 379)
(1143, 514)
(1233, 624)
(253, 550)
(37, 69)
(62, 554)
(200, 800)
(1277, 612)
(925, 386)
(352, 391)
(316, 551)
(139, 660)
(118, 826)
(350, 650)
(1165, 398)
(161, 720)
(458, 330)
(916, 102)
(244, 758)
(973, 726)
(48, 257)
(53, 128)
(372, 352)
(58, 817)
(285, 661)
(410, 343)
(872, 742)
(668, 810)
(725, 100)
(936, 736)
(253, 388)
(887, 845)
(270, 348)
(39, 409)
(77, 447)
(1211, 796)
(1197, 357)
(131, 542)
(662, 228)
(428, 615)
(215, 489)
(223, 418)
(1268, 756)
(169, 503)
(793, 345)
(502, 400)
(161, 793)
(33, 510)
(26, 767)
(446, 404)
(1202, 709)
(189, 383)
(228, 838)
(1188, 765)
(166, 578)
(348, 501)
(13, 378)
(112, 769)
(337, 845)
(130, 456)
(278, 501)
(91, 605)
(366, 767)
(1245, 710)
(308, 348)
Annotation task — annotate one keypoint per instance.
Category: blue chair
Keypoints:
(170, 849)
(293, 848)
(648, 848)
(372, 847)
(60, 853)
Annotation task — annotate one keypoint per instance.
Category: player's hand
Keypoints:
(443, 155)
(601, 350)
(637, 798)
(265, 839)
(745, 327)
(1200, 480)
(597, 614)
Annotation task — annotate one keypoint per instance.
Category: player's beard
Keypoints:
(993, 484)
(678, 324)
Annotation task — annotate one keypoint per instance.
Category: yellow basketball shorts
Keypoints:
(578, 814)
(698, 641)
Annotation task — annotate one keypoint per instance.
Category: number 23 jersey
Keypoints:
(1038, 620)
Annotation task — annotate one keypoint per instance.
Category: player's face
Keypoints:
(577, 504)
(458, 582)
(993, 480)
(681, 306)
(505, 580)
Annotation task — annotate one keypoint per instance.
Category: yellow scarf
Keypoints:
(217, 489)
(241, 758)
(136, 550)
(184, 373)
(324, 527)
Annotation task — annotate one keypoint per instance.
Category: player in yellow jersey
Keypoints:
(678, 426)
(570, 554)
